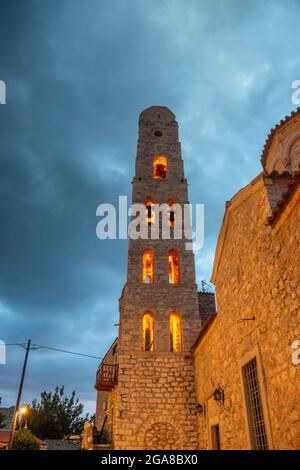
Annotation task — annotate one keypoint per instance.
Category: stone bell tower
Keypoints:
(159, 314)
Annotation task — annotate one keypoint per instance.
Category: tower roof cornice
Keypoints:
(157, 114)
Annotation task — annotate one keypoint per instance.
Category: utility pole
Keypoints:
(13, 427)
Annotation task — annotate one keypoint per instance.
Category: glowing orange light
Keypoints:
(148, 332)
(172, 218)
(24, 410)
(172, 212)
(148, 267)
(174, 275)
(150, 213)
(175, 332)
(160, 167)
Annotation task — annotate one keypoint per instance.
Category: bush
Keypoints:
(24, 440)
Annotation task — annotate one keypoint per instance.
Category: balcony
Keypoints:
(107, 377)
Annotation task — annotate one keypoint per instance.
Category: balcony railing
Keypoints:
(107, 377)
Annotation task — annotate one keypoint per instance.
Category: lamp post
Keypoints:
(200, 408)
(219, 395)
(13, 427)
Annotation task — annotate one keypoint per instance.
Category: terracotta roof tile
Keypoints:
(273, 131)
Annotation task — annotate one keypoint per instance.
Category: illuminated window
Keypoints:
(175, 332)
(174, 274)
(148, 266)
(172, 218)
(160, 167)
(150, 213)
(172, 212)
(148, 332)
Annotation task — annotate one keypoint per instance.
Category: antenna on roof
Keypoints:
(206, 287)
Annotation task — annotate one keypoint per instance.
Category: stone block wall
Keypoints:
(161, 302)
(156, 402)
(207, 305)
(257, 278)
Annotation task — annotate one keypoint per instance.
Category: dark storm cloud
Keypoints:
(78, 73)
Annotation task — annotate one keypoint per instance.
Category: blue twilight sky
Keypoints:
(78, 73)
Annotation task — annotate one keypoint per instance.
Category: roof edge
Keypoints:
(205, 328)
(235, 201)
(272, 134)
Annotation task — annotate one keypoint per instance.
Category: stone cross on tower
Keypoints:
(154, 403)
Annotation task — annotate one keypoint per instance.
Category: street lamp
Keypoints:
(200, 408)
(219, 395)
(24, 410)
(14, 422)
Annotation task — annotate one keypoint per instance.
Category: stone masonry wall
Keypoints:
(112, 412)
(258, 276)
(156, 396)
(156, 402)
(207, 305)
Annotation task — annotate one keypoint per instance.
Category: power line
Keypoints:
(31, 347)
(13, 426)
(68, 352)
(34, 347)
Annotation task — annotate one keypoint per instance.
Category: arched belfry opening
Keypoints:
(172, 212)
(160, 167)
(175, 332)
(150, 212)
(148, 332)
(174, 268)
(148, 266)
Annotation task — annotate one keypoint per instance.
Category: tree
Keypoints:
(56, 416)
(24, 440)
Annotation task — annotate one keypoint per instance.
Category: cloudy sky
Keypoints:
(78, 73)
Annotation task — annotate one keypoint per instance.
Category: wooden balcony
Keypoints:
(107, 377)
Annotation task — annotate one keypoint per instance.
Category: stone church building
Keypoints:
(187, 372)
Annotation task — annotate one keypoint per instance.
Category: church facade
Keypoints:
(183, 374)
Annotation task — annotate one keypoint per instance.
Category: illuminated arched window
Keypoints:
(175, 332)
(150, 213)
(148, 332)
(172, 212)
(174, 269)
(160, 167)
(148, 266)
